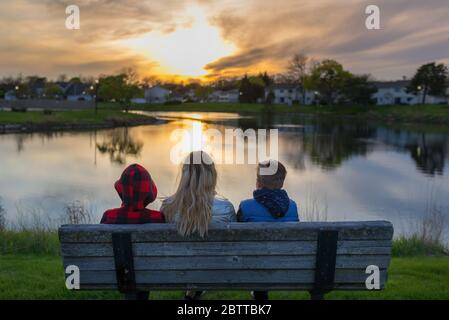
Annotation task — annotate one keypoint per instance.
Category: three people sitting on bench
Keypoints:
(195, 204)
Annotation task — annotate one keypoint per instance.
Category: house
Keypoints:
(77, 91)
(225, 96)
(395, 92)
(36, 87)
(285, 94)
(157, 94)
(10, 95)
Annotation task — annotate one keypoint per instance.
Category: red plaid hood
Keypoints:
(136, 188)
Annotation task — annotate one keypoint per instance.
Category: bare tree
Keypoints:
(297, 71)
(132, 76)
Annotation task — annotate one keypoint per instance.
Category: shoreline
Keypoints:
(29, 127)
(395, 114)
(30, 122)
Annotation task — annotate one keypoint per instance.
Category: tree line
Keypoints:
(327, 79)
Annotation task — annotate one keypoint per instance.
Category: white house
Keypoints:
(228, 96)
(157, 94)
(395, 92)
(78, 91)
(290, 94)
(10, 95)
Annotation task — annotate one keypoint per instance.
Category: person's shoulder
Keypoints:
(109, 216)
(155, 216)
(247, 202)
(222, 201)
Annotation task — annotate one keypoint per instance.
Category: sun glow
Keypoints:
(184, 51)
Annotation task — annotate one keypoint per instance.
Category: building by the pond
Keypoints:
(395, 92)
(225, 96)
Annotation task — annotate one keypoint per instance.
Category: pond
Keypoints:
(338, 169)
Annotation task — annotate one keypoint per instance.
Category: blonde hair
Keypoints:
(191, 205)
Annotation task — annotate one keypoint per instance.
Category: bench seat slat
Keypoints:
(365, 230)
(234, 287)
(230, 262)
(226, 248)
(227, 277)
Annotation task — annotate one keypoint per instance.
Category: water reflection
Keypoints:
(119, 144)
(363, 170)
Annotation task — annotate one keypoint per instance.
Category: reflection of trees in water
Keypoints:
(428, 150)
(327, 144)
(21, 138)
(119, 144)
(330, 142)
(428, 155)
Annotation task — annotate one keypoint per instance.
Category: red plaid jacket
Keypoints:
(137, 190)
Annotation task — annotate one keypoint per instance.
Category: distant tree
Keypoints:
(358, 89)
(328, 78)
(75, 80)
(52, 90)
(62, 78)
(117, 88)
(202, 92)
(150, 81)
(297, 72)
(267, 80)
(252, 89)
(430, 79)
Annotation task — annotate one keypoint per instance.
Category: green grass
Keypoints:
(32, 242)
(416, 246)
(41, 277)
(392, 112)
(112, 112)
(30, 268)
(66, 117)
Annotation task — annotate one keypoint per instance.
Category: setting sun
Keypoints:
(186, 50)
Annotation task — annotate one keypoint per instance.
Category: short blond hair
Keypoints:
(273, 181)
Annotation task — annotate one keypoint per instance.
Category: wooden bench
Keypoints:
(316, 257)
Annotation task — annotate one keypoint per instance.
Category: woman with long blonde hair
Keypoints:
(195, 203)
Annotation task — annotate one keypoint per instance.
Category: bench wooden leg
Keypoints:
(316, 295)
(139, 295)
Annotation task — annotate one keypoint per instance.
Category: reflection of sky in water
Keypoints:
(374, 177)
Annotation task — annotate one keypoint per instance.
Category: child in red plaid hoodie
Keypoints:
(137, 190)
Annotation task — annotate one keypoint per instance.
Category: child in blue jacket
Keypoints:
(270, 202)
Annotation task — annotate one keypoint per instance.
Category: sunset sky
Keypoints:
(204, 39)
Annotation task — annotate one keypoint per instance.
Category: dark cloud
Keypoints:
(267, 32)
(33, 38)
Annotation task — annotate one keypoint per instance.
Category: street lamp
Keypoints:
(96, 93)
(419, 88)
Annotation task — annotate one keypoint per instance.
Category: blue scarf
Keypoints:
(276, 201)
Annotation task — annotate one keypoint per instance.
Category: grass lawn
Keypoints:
(67, 117)
(414, 112)
(429, 114)
(41, 277)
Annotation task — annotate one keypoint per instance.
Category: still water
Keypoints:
(337, 169)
